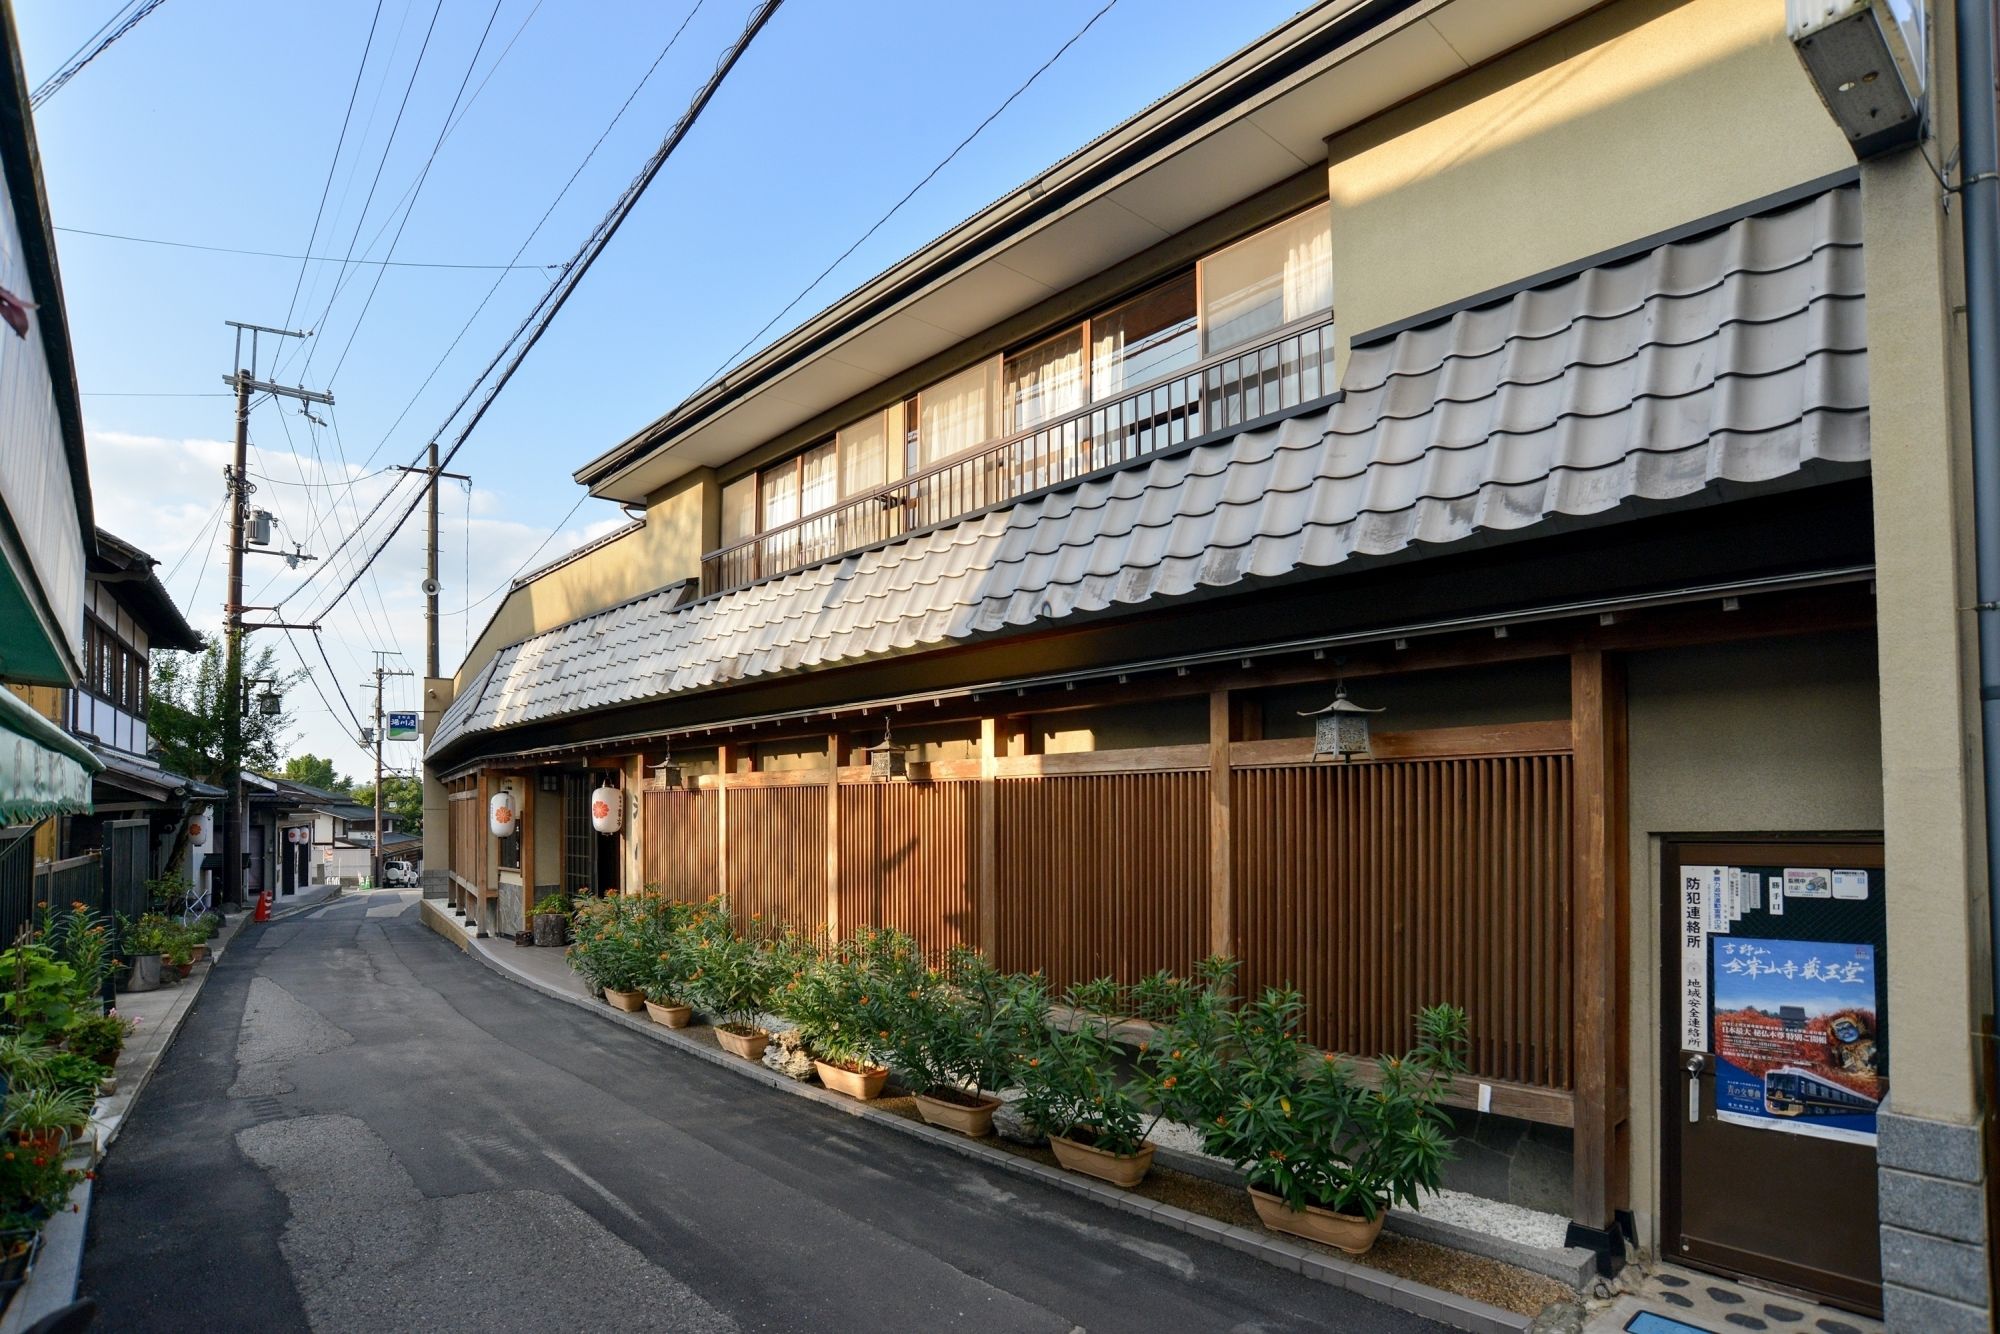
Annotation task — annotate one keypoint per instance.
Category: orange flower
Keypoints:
(1175, 1056)
(1277, 1155)
(884, 1034)
(1034, 1062)
(1169, 1082)
(1222, 1120)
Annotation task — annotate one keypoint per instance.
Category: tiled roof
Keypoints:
(1732, 359)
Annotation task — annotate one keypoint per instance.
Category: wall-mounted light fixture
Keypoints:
(1866, 59)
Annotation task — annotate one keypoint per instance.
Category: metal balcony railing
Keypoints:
(1240, 386)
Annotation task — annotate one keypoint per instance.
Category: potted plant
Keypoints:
(607, 953)
(1071, 1090)
(178, 953)
(955, 1037)
(843, 1003)
(1324, 1154)
(731, 979)
(550, 920)
(672, 942)
(144, 943)
(99, 1037)
(43, 1118)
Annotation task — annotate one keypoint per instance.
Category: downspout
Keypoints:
(1979, 227)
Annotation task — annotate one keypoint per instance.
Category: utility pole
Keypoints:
(375, 853)
(244, 381)
(431, 585)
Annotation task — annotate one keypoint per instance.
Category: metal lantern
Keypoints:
(270, 704)
(666, 774)
(888, 760)
(1340, 730)
(500, 814)
(607, 810)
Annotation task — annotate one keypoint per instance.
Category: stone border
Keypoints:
(1404, 1294)
(52, 1283)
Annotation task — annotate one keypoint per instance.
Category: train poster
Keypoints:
(1795, 1037)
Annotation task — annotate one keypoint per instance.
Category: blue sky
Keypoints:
(214, 121)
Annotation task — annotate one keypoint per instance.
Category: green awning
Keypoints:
(44, 770)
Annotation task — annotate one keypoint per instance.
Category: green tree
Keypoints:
(402, 801)
(188, 713)
(315, 771)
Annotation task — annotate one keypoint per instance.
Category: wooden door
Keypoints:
(1776, 1056)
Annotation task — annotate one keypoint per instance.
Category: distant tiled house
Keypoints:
(1555, 377)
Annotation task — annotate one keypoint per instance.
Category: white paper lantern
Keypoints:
(500, 814)
(198, 830)
(607, 810)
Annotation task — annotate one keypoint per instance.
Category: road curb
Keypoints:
(51, 1284)
(1403, 1294)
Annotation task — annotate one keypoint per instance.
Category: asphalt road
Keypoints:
(360, 1129)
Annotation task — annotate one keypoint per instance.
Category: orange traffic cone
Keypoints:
(263, 913)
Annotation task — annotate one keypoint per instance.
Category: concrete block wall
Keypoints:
(1933, 1214)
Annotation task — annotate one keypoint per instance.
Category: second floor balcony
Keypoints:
(1292, 368)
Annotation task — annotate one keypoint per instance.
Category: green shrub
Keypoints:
(1297, 1121)
(557, 903)
(965, 1028)
(99, 1037)
(844, 1000)
(732, 975)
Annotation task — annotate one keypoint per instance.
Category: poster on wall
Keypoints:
(1795, 1033)
(1699, 889)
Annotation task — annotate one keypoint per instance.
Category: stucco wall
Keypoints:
(679, 527)
(1638, 118)
(1775, 736)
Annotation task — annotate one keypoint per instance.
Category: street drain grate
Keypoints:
(267, 1108)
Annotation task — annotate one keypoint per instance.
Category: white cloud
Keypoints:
(164, 494)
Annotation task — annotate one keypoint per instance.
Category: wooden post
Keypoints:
(833, 835)
(1221, 896)
(484, 848)
(986, 863)
(1597, 739)
(725, 759)
(529, 782)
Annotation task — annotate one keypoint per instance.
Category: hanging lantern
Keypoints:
(500, 814)
(270, 704)
(888, 760)
(666, 774)
(1340, 730)
(198, 829)
(607, 810)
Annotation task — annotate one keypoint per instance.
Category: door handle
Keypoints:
(1695, 1063)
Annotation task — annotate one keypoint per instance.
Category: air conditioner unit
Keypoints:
(1867, 59)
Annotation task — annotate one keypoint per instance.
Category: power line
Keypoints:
(977, 130)
(381, 162)
(509, 580)
(304, 259)
(78, 59)
(344, 481)
(148, 393)
(411, 209)
(533, 232)
(340, 285)
(333, 163)
(194, 541)
(552, 302)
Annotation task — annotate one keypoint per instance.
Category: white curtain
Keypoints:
(864, 453)
(959, 413)
(1045, 382)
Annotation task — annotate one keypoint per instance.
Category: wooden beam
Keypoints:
(1599, 984)
(528, 786)
(1221, 894)
(724, 757)
(832, 781)
(1548, 738)
(986, 859)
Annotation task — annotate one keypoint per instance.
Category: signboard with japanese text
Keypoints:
(1781, 984)
(402, 726)
(1795, 1037)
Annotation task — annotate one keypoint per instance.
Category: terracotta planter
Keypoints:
(200, 953)
(673, 1016)
(1120, 1169)
(1347, 1232)
(750, 1046)
(862, 1084)
(184, 968)
(976, 1121)
(50, 1142)
(628, 1001)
